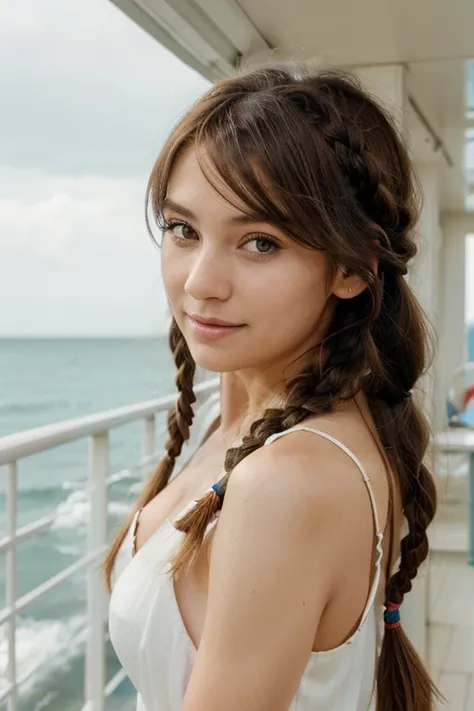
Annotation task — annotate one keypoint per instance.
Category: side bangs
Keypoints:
(245, 166)
(241, 157)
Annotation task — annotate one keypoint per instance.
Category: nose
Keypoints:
(209, 276)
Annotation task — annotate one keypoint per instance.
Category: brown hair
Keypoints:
(314, 154)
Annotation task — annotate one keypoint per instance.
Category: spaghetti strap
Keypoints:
(134, 529)
(370, 491)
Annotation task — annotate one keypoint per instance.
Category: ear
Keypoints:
(346, 286)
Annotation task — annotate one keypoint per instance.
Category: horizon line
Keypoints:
(37, 336)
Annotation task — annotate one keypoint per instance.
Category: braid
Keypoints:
(311, 392)
(180, 416)
(419, 507)
(179, 421)
(400, 667)
(403, 683)
(327, 106)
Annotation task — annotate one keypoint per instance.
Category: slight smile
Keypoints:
(212, 328)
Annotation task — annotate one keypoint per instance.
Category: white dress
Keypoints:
(151, 641)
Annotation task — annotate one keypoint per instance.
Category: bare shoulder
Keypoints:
(275, 564)
(302, 475)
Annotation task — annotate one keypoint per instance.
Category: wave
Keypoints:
(136, 488)
(68, 550)
(45, 492)
(46, 700)
(40, 492)
(73, 485)
(75, 511)
(38, 642)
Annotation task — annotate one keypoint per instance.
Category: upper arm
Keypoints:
(271, 573)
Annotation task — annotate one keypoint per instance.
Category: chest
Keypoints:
(190, 589)
(196, 477)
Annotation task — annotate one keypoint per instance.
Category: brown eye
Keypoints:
(183, 231)
(180, 231)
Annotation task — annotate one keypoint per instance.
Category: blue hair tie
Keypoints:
(392, 617)
(219, 489)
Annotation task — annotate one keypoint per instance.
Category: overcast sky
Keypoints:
(87, 99)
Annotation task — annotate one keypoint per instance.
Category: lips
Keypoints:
(213, 321)
(208, 329)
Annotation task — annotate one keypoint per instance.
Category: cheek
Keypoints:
(292, 297)
(172, 272)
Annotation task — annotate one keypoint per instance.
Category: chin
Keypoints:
(216, 360)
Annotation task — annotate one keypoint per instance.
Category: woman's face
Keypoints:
(244, 294)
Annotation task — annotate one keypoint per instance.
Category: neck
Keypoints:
(245, 395)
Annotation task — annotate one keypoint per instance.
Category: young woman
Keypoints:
(269, 574)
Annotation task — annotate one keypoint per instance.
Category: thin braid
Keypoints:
(180, 418)
(419, 511)
(418, 498)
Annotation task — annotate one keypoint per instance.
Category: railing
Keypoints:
(460, 440)
(15, 447)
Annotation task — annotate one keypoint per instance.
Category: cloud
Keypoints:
(66, 210)
(44, 226)
(77, 259)
(87, 100)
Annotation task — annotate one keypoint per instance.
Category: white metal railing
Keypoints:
(460, 440)
(16, 446)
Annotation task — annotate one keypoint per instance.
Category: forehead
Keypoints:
(195, 183)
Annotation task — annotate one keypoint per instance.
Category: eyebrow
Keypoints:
(241, 219)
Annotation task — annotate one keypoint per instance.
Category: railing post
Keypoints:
(148, 447)
(10, 562)
(95, 673)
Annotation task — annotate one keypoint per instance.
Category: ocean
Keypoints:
(45, 381)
